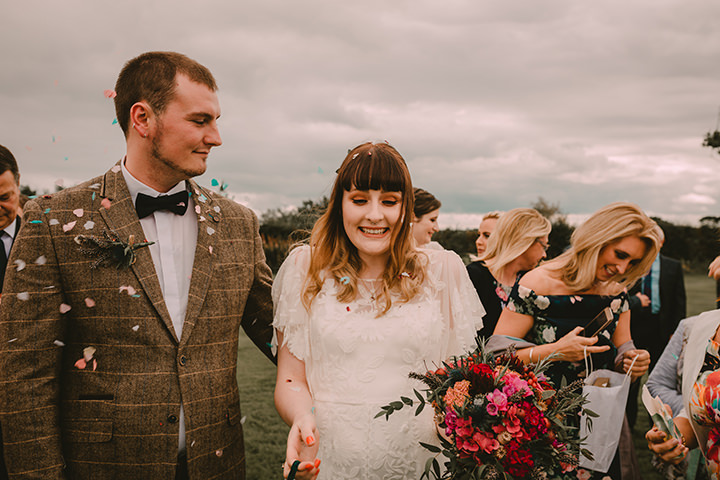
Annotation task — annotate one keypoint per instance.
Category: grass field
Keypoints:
(265, 433)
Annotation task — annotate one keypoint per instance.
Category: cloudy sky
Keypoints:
(492, 104)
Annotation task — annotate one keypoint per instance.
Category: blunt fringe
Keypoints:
(370, 166)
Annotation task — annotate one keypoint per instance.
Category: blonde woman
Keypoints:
(486, 228)
(356, 311)
(551, 304)
(518, 243)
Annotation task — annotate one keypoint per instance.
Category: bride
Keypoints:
(358, 309)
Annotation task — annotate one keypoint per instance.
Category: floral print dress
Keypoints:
(705, 405)
(557, 315)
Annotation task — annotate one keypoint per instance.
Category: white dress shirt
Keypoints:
(173, 254)
(8, 236)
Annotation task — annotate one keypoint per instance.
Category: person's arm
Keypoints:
(671, 450)
(32, 326)
(622, 338)
(258, 314)
(714, 268)
(662, 381)
(295, 406)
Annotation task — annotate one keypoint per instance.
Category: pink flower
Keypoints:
(485, 442)
(498, 398)
(583, 474)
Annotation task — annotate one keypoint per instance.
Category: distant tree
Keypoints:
(281, 229)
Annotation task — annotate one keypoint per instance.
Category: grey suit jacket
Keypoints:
(118, 417)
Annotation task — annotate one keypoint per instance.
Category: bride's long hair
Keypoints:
(370, 166)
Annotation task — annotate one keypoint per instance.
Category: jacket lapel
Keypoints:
(209, 225)
(122, 218)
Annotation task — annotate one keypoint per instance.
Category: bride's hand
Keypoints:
(303, 445)
(573, 347)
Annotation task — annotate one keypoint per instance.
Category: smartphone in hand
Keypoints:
(598, 324)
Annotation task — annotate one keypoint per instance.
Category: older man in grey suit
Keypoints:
(123, 302)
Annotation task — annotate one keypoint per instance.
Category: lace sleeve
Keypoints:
(290, 316)
(462, 309)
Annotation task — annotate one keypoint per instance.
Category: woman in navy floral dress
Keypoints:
(551, 304)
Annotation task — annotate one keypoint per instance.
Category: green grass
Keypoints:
(266, 433)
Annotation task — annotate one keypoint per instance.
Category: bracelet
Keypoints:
(532, 349)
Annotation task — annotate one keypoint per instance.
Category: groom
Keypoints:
(123, 300)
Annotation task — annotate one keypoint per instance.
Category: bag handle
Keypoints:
(588, 368)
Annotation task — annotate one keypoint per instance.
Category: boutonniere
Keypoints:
(109, 250)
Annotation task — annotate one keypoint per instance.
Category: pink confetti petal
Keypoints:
(197, 209)
(81, 364)
(210, 249)
(94, 364)
(69, 226)
(106, 203)
(219, 452)
(64, 308)
(79, 212)
(110, 94)
(89, 302)
(129, 289)
(115, 169)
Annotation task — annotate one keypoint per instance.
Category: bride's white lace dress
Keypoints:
(355, 363)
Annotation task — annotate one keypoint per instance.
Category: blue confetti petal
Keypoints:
(114, 122)
(35, 221)
(214, 182)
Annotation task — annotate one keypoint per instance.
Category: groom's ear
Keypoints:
(141, 116)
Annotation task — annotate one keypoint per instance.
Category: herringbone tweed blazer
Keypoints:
(117, 418)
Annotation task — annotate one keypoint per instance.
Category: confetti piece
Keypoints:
(92, 197)
(47, 210)
(193, 443)
(41, 260)
(114, 122)
(81, 364)
(79, 212)
(20, 264)
(345, 280)
(12, 340)
(405, 274)
(214, 183)
(202, 198)
(59, 343)
(35, 221)
(116, 168)
(355, 156)
(89, 302)
(24, 296)
(210, 230)
(136, 328)
(242, 420)
(64, 308)
(54, 221)
(197, 209)
(89, 225)
(312, 410)
(210, 249)
(53, 137)
(320, 170)
(216, 208)
(201, 219)
(129, 289)
(94, 186)
(137, 295)
(59, 182)
(295, 389)
(348, 308)
(109, 93)
(219, 453)
(88, 353)
(106, 203)
(28, 148)
(66, 158)
(69, 226)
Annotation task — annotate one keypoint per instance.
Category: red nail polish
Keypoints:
(309, 440)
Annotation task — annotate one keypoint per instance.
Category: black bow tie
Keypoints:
(176, 203)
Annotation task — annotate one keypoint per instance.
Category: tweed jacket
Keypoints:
(116, 415)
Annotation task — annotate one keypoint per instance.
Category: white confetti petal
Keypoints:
(242, 420)
(41, 260)
(216, 208)
(210, 249)
(115, 169)
(94, 186)
(201, 218)
(69, 226)
(79, 212)
(136, 328)
(197, 209)
(129, 289)
(59, 343)
(24, 296)
(210, 230)
(20, 264)
(12, 340)
(89, 224)
(54, 221)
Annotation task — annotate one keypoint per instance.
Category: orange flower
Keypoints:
(457, 394)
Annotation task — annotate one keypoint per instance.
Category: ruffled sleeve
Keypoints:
(290, 316)
(461, 307)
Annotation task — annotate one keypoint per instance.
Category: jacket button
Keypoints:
(172, 419)
(183, 360)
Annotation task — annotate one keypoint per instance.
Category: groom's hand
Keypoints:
(303, 446)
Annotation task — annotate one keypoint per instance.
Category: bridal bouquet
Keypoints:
(499, 418)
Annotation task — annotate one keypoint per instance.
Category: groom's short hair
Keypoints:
(151, 77)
